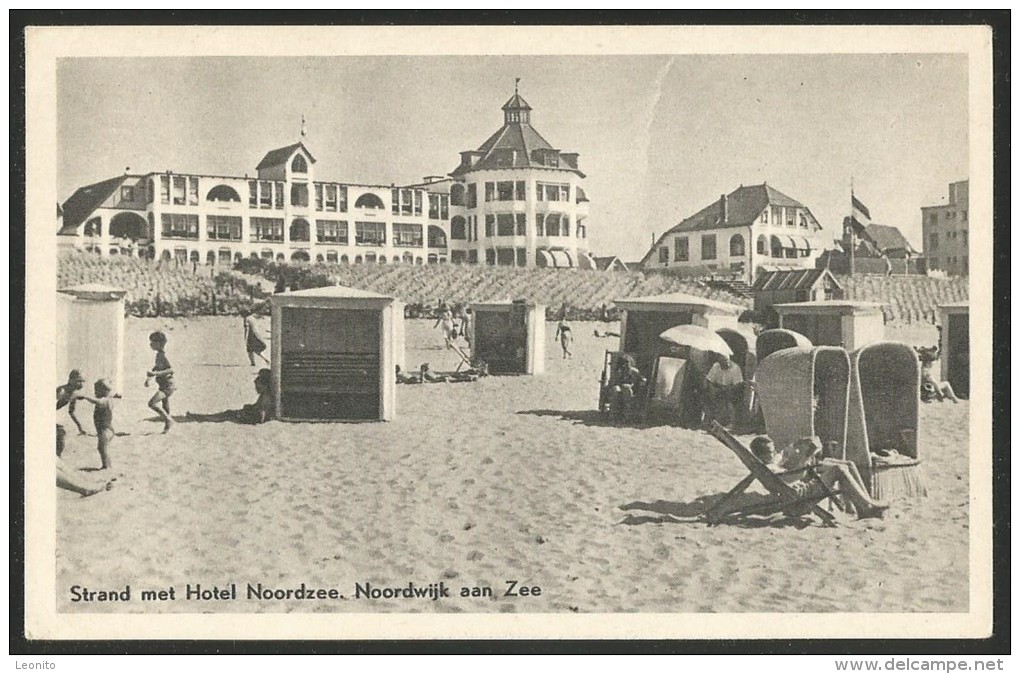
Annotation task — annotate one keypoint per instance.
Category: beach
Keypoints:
(472, 485)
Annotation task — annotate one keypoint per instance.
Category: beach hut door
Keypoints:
(958, 365)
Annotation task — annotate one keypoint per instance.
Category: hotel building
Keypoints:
(515, 201)
(754, 227)
(946, 229)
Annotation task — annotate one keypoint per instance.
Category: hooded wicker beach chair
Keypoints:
(803, 392)
(782, 497)
(883, 419)
(770, 341)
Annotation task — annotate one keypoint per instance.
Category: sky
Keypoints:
(659, 137)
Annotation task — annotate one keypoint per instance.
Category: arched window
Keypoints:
(331, 256)
(300, 230)
(195, 256)
(382, 259)
(457, 194)
(369, 200)
(344, 259)
(280, 257)
(358, 259)
(299, 165)
(223, 193)
(408, 258)
(458, 228)
(319, 258)
(254, 256)
(737, 246)
(777, 247)
(437, 237)
(419, 260)
(763, 245)
(300, 256)
(210, 257)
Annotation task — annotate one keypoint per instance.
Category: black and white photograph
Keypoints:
(536, 332)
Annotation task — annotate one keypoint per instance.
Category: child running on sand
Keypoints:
(102, 416)
(163, 373)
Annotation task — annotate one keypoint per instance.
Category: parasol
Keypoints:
(697, 337)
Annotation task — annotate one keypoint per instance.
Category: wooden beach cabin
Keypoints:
(90, 333)
(792, 285)
(846, 323)
(954, 349)
(643, 319)
(509, 336)
(335, 351)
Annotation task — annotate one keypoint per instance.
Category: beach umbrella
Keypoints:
(697, 337)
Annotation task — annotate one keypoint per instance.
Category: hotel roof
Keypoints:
(281, 155)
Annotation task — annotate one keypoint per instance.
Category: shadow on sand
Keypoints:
(671, 512)
(595, 418)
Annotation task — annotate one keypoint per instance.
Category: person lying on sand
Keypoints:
(607, 333)
(259, 412)
(80, 482)
(807, 452)
(405, 378)
(430, 377)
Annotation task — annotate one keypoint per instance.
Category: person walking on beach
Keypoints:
(466, 328)
(102, 416)
(449, 327)
(565, 336)
(163, 373)
(253, 341)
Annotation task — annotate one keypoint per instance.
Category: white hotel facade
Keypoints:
(516, 201)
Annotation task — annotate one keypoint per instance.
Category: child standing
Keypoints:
(253, 341)
(565, 336)
(102, 416)
(163, 373)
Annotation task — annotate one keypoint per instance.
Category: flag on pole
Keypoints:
(860, 217)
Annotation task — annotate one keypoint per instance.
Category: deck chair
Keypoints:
(783, 497)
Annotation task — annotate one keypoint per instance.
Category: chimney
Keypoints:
(723, 209)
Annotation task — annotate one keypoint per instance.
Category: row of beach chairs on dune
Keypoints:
(863, 406)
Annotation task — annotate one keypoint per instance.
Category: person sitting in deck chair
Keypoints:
(806, 452)
(931, 388)
(627, 381)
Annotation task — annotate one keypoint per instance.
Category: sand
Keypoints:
(507, 478)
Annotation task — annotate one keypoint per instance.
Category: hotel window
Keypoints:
(299, 165)
(762, 246)
(266, 229)
(179, 225)
(522, 223)
(223, 227)
(565, 226)
(300, 230)
(664, 254)
(490, 256)
(803, 221)
(472, 257)
(933, 240)
(777, 215)
(540, 225)
(192, 191)
(406, 235)
(341, 198)
(180, 186)
(370, 233)
(265, 194)
(318, 198)
(405, 202)
(458, 228)
(299, 194)
(472, 195)
(369, 200)
(490, 191)
(278, 196)
(505, 191)
(490, 224)
(708, 246)
(521, 191)
(964, 216)
(253, 194)
(552, 224)
(765, 216)
(94, 227)
(682, 249)
(433, 206)
(791, 217)
(331, 231)
(331, 200)
(964, 237)
(164, 189)
(553, 192)
(437, 237)
(418, 202)
(395, 201)
(505, 224)
(582, 230)
(127, 193)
